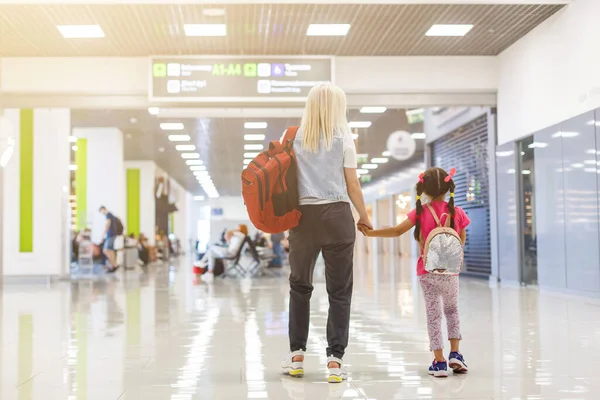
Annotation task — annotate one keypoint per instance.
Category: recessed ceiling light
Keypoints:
(255, 125)
(153, 110)
(253, 147)
(194, 162)
(380, 160)
(198, 198)
(80, 31)
(133, 120)
(185, 147)
(251, 155)
(73, 139)
(418, 135)
(359, 124)
(72, 167)
(327, 29)
(373, 110)
(369, 166)
(197, 168)
(179, 138)
(254, 136)
(171, 126)
(449, 30)
(205, 29)
(190, 155)
(161, 149)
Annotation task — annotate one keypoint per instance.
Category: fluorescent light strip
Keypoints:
(153, 110)
(418, 135)
(190, 155)
(80, 31)
(247, 161)
(197, 168)
(362, 171)
(380, 160)
(179, 138)
(255, 125)
(386, 153)
(205, 29)
(194, 162)
(449, 30)
(253, 147)
(185, 147)
(359, 124)
(327, 29)
(198, 198)
(171, 126)
(369, 166)
(251, 155)
(254, 136)
(373, 110)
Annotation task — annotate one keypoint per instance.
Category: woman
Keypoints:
(234, 240)
(327, 183)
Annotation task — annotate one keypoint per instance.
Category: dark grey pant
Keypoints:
(329, 229)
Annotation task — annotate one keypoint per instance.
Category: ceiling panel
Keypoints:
(265, 29)
(220, 142)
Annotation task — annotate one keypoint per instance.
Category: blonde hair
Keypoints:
(324, 114)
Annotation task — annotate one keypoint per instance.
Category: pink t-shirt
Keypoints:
(461, 221)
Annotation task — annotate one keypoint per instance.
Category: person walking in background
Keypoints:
(327, 183)
(111, 231)
(436, 183)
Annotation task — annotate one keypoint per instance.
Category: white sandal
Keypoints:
(336, 375)
(293, 368)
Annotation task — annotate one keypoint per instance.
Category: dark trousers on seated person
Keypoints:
(328, 229)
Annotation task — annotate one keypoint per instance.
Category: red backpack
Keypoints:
(270, 187)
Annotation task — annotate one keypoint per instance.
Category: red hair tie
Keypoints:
(421, 177)
(451, 174)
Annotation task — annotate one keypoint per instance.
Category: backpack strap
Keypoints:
(435, 216)
(290, 135)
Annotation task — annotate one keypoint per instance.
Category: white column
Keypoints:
(105, 176)
(147, 197)
(49, 253)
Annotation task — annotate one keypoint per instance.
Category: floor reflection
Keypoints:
(160, 336)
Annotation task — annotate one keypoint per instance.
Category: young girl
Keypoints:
(435, 183)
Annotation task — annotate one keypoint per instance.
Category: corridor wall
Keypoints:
(567, 205)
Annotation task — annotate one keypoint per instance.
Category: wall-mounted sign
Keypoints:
(236, 79)
(401, 145)
(216, 212)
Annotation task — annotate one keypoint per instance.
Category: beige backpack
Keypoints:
(442, 251)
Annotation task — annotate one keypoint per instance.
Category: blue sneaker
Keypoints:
(439, 369)
(457, 363)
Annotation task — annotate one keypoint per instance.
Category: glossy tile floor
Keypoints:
(159, 336)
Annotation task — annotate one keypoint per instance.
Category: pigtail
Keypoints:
(451, 208)
(419, 208)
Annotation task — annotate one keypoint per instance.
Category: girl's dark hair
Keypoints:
(434, 185)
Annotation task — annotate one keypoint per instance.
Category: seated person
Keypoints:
(143, 250)
(234, 239)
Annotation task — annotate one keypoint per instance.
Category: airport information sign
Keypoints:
(236, 79)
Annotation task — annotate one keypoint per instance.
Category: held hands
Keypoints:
(364, 226)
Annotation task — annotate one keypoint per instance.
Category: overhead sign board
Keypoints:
(236, 79)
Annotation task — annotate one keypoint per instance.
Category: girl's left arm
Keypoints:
(395, 231)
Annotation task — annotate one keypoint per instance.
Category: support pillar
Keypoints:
(100, 180)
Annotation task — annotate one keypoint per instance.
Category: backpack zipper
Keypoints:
(280, 173)
(264, 171)
(260, 193)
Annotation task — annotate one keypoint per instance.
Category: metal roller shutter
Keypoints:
(466, 150)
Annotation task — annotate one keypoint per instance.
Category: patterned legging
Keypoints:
(435, 288)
